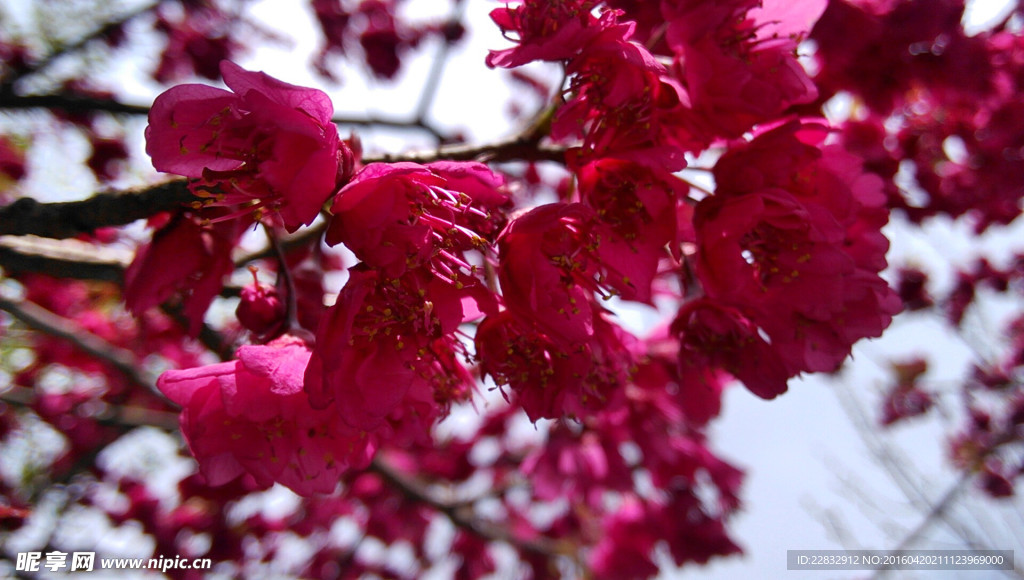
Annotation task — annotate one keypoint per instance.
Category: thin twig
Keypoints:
(104, 30)
(303, 237)
(75, 103)
(416, 491)
(437, 66)
(70, 103)
(285, 278)
(898, 472)
(936, 513)
(515, 149)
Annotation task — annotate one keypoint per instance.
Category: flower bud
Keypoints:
(261, 310)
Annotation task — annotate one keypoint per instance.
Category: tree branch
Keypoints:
(26, 216)
(70, 103)
(104, 30)
(437, 66)
(456, 513)
(78, 260)
(114, 415)
(75, 103)
(515, 149)
(63, 259)
(41, 319)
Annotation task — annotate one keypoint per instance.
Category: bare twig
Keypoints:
(437, 67)
(301, 238)
(102, 31)
(515, 149)
(75, 103)
(897, 468)
(936, 513)
(70, 103)
(457, 513)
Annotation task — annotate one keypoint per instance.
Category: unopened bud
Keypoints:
(261, 310)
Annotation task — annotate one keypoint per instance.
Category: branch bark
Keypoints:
(26, 216)
(41, 319)
(63, 259)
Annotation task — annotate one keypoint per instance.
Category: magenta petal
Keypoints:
(314, 102)
(182, 126)
(284, 366)
(791, 19)
(180, 385)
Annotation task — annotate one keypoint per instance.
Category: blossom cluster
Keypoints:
(698, 181)
(771, 273)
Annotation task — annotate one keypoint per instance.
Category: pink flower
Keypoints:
(546, 273)
(576, 465)
(623, 104)
(400, 216)
(738, 63)
(627, 542)
(553, 259)
(733, 88)
(550, 31)
(792, 241)
(381, 39)
(196, 42)
(692, 533)
(251, 416)
(268, 150)
(386, 353)
(261, 310)
(905, 397)
(549, 377)
(884, 51)
(790, 19)
(767, 248)
(697, 391)
(188, 255)
(638, 204)
(714, 334)
(387, 349)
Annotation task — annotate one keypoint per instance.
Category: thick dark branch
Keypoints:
(62, 259)
(27, 216)
(80, 260)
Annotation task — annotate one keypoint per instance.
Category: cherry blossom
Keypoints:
(269, 148)
(251, 416)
